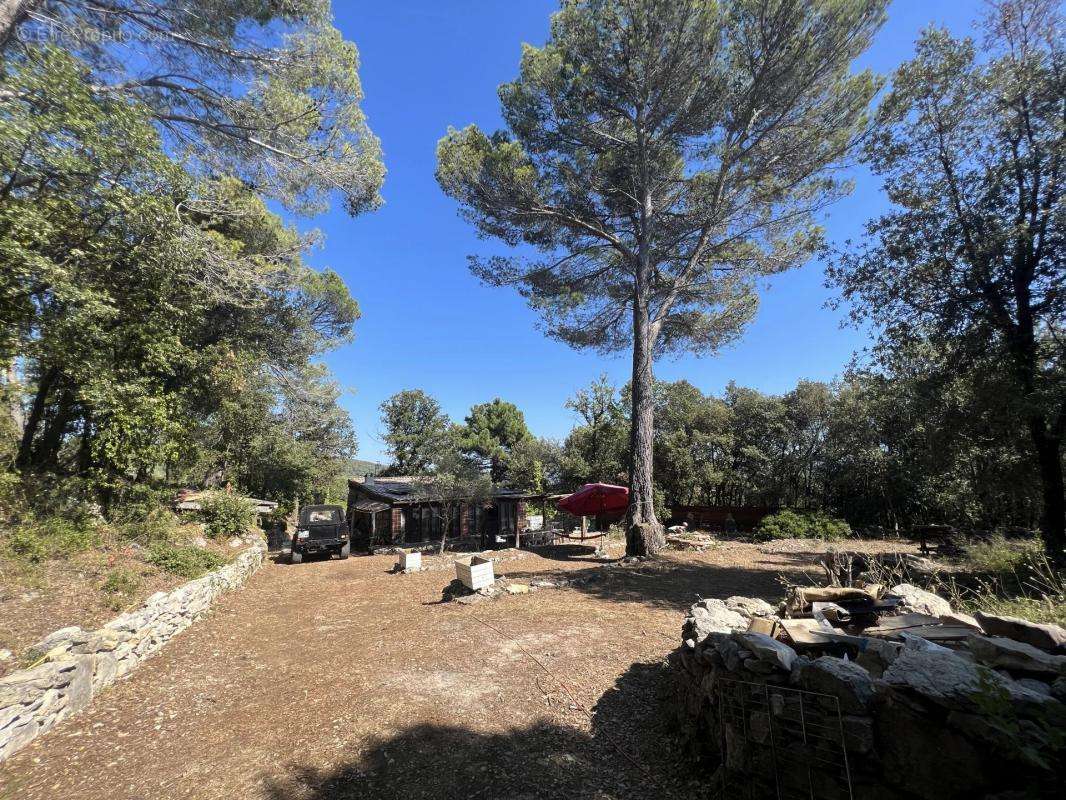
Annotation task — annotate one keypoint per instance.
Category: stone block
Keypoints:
(1050, 638)
(920, 601)
(1001, 653)
(848, 682)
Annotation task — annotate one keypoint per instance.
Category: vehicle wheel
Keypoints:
(344, 551)
(296, 558)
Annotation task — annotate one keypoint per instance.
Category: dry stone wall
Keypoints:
(910, 722)
(78, 664)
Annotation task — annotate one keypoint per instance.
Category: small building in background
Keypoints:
(720, 518)
(394, 512)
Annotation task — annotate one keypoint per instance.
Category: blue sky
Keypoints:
(427, 322)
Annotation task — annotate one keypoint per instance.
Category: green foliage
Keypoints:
(491, 432)
(183, 357)
(120, 586)
(533, 465)
(596, 451)
(185, 562)
(788, 524)
(10, 493)
(160, 524)
(226, 515)
(417, 432)
(25, 545)
(968, 264)
(659, 158)
(137, 502)
(627, 129)
(1000, 556)
(37, 540)
(1034, 589)
(265, 91)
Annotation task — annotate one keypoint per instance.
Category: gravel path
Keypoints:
(337, 679)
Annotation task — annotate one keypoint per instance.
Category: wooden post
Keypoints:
(544, 521)
(518, 526)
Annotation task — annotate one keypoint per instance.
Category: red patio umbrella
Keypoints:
(594, 499)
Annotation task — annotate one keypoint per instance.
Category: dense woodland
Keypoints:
(159, 328)
(879, 451)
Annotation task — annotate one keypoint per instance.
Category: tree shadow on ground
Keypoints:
(630, 752)
(571, 552)
(667, 583)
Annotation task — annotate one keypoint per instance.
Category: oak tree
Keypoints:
(971, 147)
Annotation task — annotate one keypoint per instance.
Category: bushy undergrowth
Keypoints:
(54, 521)
(1000, 556)
(186, 562)
(226, 515)
(788, 524)
(137, 502)
(120, 587)
(159, 525)
(1028, 586)
(34, 541)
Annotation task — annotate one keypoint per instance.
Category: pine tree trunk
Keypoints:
(644, 534)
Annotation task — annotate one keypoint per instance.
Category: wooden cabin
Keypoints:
(394, 512)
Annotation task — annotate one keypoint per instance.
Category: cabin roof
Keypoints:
(400, 489)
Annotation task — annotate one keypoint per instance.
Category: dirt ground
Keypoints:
(337, 679)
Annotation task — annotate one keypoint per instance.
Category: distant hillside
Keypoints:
(358, 467)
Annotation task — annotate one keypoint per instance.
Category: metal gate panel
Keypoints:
(780, 742)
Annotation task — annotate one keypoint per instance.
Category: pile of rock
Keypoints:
(76, 665)
(917, 719)
(504, 587)
(680, 538)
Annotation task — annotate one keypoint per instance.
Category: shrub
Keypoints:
(120, 586)
(10, 494)
(52, 537)
(25, 545)
(66, 537)
(1034, 590)
(226, 515)
(47, 495)
(159, 525)
(137, 502)
(788, 524)
(186, 562)
(998, 556)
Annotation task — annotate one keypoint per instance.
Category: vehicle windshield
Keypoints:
(312, 516)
